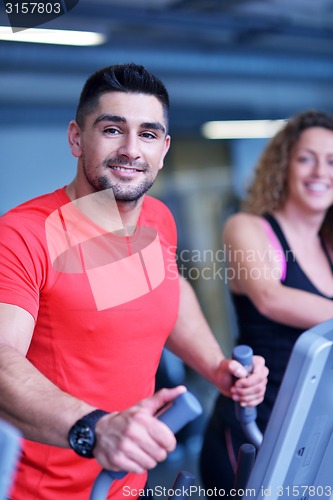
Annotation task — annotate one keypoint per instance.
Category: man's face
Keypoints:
(122, 145)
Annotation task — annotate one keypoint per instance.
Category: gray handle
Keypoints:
(244, 355)
(247, 416)
(182, 486)
(245, 462)
(180, 412)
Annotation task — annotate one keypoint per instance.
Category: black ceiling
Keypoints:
(220, 59)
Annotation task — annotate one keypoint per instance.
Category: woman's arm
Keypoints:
(254, 270)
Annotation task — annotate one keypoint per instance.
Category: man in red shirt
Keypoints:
(89, 296)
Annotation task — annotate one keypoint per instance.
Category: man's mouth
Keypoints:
(127, 170)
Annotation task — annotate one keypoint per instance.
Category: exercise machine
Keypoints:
(295, 458)
(10, 445)
(180, 412)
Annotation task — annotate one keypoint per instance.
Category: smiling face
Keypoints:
(310, 174)
(121, 146)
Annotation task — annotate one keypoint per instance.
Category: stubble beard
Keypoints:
(122, 190)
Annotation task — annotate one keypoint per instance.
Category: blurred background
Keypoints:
(221, 60)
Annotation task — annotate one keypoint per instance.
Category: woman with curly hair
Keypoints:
(280, 249)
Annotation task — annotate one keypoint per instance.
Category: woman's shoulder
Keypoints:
(243, 222)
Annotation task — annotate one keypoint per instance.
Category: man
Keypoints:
(89, 298)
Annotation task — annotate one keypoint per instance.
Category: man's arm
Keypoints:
(193, 341)
(132, 440)
(29, 400)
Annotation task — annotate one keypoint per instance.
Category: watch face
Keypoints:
(82, 439)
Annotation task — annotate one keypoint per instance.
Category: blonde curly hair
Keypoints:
(268, 189)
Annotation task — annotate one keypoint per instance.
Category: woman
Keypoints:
(281, 260)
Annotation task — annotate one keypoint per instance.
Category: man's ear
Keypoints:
(166, 149)
(74, 138)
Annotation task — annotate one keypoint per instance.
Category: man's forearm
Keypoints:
(192, 339)
(33, 404)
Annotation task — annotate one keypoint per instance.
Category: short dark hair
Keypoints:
(120, 78)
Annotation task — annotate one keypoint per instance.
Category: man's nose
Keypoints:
(129, 147)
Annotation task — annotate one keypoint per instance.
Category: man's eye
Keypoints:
(112, 131)
(148, 135)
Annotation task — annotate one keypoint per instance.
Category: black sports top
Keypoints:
(271, 339)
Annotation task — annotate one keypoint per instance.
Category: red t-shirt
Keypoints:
(104, 306)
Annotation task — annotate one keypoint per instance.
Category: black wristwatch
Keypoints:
(81, 436)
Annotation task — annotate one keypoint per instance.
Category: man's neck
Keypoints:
(108, 213)
(130, 213)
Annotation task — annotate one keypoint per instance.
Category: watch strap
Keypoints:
(92, 418)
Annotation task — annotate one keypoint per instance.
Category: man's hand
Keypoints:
(248, 390)
(134, 440)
